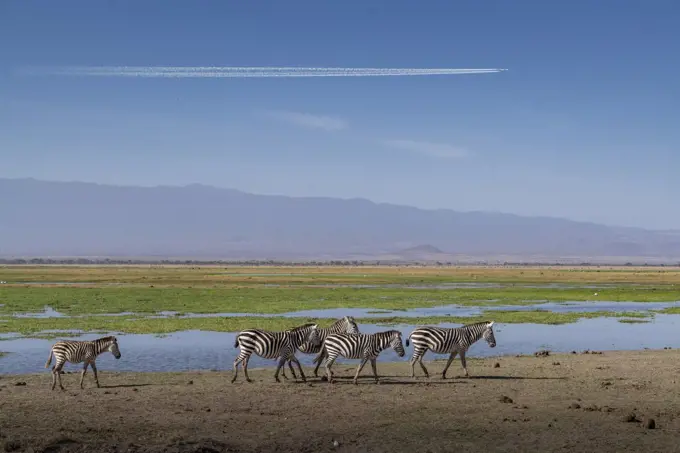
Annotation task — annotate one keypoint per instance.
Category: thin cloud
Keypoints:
(440, 150)
(241, 72)
(308, 120)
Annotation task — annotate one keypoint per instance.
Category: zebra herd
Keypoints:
(341, 339)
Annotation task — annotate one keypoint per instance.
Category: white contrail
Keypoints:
(242, 72)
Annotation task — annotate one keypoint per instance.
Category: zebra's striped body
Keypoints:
(451, 341)
(78, 352)
(273, 345)
(346, 324)
(360, 346)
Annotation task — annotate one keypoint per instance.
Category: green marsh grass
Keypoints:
(69, 300)
(144, 325)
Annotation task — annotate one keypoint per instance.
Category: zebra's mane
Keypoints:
(476, 324)
(390, 332)
(342, 320)
(106, 339)
(302, 327)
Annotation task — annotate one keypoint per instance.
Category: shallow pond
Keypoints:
(196, 350)
(443, 310)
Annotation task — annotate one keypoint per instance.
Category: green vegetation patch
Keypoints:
(148, 325)
(634, 321)
(78, 300)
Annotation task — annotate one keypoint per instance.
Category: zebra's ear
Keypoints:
(491, 324)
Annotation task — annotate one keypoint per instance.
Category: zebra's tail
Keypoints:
(236, 342)
(408, 339)
(49, 360)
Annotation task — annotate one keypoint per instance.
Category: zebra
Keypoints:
(80, 351)
(274, 345)
(359, 346)
(345, 324)
(443, 340)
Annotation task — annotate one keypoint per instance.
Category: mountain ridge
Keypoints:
(83, 218)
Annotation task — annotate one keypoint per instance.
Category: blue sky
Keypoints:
(584, 124)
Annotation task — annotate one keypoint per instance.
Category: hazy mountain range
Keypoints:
(39, 218)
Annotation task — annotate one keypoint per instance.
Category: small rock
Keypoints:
(573, 352)
(497, 365)
(336, 443)
(574, 406)
(12, 445)
(190, 383)
(650, 423)
(207, 410)
(556, 363)
(20, 384)
(542, 353)
(135, 389)
(505, 399)
(630, 418)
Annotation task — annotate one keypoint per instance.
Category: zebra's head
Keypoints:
(351, 325)
(488, 335)
(396, 343)
(113, 346)
(313, 337)
(306, 334)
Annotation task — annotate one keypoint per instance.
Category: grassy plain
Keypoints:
(86, 293)
(207, 275)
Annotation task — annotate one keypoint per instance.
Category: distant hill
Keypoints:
(422, 249)
(39, 218)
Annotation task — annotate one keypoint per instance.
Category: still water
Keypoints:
(198, 350)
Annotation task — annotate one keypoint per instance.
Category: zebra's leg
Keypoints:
(54, 378)
(94, 370)
(238, 360)
(375, 371)
(462, 361)
(420, 362)
(82, 375)
(329, 363)
(292, 370)
(282, 362)
(448, 363)
(245, 369)
(359, 368)
(318, 359)
(302, 373)
(283, 371)
(418, 356)
(57, 371)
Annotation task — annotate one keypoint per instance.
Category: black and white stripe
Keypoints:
(346, 324)
(273, 345)
(441, 340)
(80, 351)
(360, 346)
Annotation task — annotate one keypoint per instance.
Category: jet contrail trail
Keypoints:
(244, 72)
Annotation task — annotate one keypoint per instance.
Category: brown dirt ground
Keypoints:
(574, 402)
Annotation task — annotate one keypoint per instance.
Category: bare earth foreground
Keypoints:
(575, 402)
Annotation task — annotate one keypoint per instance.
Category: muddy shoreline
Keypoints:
(560, 402)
